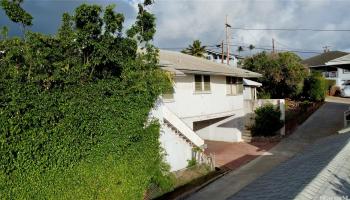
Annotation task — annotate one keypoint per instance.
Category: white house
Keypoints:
(206, 104)
(331, 64)
(342, 73)
(217, 57)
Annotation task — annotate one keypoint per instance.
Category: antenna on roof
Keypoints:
(326, 48)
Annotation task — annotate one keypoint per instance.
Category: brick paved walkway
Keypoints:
(233, 155)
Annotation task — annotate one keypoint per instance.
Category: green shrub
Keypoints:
(73, 115)
(315, 87)
(267, 121)
(192, 162)
(264, 95)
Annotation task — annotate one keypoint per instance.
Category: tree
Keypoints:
(251, 47)
(16, 13)
(196, 49)
(4, 32)
(240, 49)
(145, 25)
(282, 73)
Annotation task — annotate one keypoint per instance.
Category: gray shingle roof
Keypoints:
(321, 59)
(194, 65)
(321, 171)
(340, 61)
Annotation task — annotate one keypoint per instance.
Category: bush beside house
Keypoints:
(267, 121)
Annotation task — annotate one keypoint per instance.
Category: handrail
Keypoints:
(182, 127)
(346, 118)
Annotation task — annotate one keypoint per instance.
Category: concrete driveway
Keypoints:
(324, 122)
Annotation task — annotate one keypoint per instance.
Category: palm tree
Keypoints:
(195, 49)
(240, 48)
(251, 47)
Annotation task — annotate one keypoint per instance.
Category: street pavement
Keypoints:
(326, 121)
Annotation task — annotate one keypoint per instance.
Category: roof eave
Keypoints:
(245, 75)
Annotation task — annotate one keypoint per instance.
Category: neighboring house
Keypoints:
(206, 104)
(217, 57)
(328, 64)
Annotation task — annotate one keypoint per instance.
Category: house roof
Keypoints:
(323, 58)
(248, 82)
(321, 170)
(194, 65)
(340, 61)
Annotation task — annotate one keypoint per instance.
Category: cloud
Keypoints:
(181, 22)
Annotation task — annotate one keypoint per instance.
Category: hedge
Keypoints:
(267, 121)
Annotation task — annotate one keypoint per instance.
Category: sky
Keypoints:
(179, 22)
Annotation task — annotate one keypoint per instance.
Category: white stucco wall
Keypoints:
(191, 106)
(342, 77)
(227, 130)
(177, 150)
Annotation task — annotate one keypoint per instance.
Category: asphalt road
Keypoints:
(326, 121)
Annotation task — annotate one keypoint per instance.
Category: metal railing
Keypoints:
(333, 74)
(346, 118)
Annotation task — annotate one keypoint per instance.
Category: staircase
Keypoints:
(178, 133)
(247, 136)
(181, 129)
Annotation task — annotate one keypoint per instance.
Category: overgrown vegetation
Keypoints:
(267, 121)
(74, 109)
(282, 73)
(315, 87)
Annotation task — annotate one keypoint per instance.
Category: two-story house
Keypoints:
(328, 64)
(206, 104)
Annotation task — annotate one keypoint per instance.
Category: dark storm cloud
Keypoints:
(179, 22)
(47, 13)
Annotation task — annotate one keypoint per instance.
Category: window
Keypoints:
(234, 85)
(346, 71)
(202, 83)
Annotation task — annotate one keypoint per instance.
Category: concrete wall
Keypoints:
(177, 150)
(227, 130)
(191, 106)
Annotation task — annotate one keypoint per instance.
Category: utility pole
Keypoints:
(227, 26)
(273, 46)
(222, 51)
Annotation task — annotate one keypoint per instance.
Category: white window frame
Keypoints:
(346, 71)
(234, 86)
(202, 82)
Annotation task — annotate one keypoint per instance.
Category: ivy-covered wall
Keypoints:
(74, 107)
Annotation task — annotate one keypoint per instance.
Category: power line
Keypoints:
(256, 47)
(290, 29)
(290, 50)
